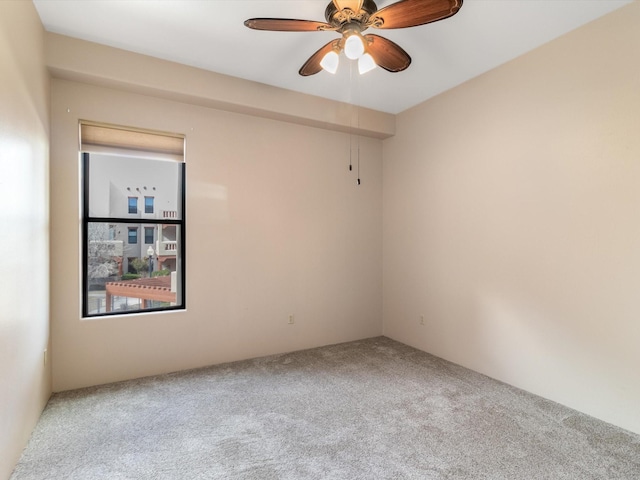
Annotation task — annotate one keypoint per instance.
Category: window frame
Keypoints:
(87, 219)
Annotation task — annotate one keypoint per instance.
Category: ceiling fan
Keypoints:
(350, 18)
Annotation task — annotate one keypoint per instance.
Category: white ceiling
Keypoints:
(210, 34)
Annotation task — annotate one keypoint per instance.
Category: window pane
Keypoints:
(133, 235)
(148, 204)
(133, 260)
(110, 288)
(148, 235)
(118, 183)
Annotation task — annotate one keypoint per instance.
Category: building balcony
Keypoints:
(167, 248)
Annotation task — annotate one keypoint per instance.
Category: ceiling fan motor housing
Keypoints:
(343, 18)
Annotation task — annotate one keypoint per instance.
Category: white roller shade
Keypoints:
(100, 138)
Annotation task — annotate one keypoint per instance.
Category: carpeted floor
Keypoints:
(373, 409)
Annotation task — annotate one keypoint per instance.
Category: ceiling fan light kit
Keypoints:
(352, 17)
(366, 63)
(353, 46)
(330, 62)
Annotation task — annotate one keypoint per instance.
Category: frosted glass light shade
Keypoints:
(330, 62)
(366, 63)
(353, 47)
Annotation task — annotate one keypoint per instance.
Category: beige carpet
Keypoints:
(373, 409)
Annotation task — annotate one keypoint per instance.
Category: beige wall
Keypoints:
(512, 222)
(24, 283)
(276, 225)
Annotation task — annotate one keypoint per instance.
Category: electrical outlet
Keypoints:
(421, 319)
(291, 320)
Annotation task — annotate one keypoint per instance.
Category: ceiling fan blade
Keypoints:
(312, 66)
(353, 5)
(387, 54)
(287, 25)
(410, 13)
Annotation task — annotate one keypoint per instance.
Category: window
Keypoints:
(117, 265)
(148, 204)
(133, 235)
(133, 204)
(148, 235)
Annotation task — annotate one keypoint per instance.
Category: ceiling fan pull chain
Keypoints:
(350, 118)
(357, 102)
(358, 160)
(350, 150)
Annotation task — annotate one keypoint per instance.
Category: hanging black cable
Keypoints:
(358, 161)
